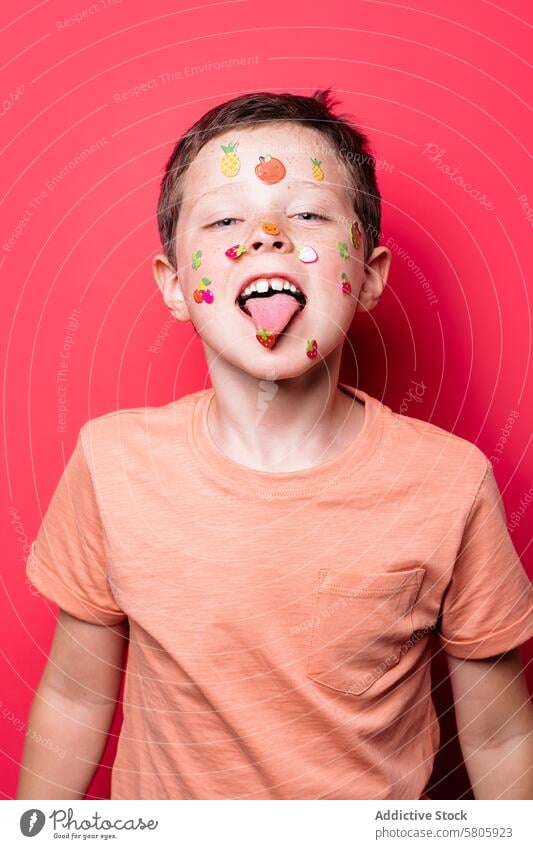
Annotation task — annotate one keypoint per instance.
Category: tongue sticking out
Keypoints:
(273, 313)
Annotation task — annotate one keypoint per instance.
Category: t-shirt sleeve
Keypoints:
(67, 561)
(487, 607)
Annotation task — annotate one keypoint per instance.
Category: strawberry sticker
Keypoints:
(311, 349)
(345, 285)
(235, 251)
(266, 338)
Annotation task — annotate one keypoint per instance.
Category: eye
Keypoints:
(223, 221)
(315, 215)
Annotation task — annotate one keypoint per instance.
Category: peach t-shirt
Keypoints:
(281, 623)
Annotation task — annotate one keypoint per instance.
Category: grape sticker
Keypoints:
(196, 259)
(307, 254)
(356, 235)
(235, 251)
(342, 248)
(345, 285)
(230, 162)
(202, 293)
(311, 349)
(269, 169)
(316, 170)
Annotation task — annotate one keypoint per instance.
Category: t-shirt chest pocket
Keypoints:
(359, 626)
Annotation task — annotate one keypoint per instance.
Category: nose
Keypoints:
(262, 241)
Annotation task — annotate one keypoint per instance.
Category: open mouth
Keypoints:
(265, 287)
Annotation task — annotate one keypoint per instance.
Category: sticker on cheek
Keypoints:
(203, 293)
(230, 162)
(342, 248)
(235, 251)
(311, 349)
(316, 170)
(307, 254)
(345, 285)
(355, 235)
(270, 228)
(269, 169)
(196, 259)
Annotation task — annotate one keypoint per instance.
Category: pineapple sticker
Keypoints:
(316, 170)
(230, 162)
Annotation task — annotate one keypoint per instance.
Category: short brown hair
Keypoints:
(348, 141)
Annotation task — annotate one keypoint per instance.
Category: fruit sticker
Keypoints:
(270, 228)
(202, 293)
(316, 170)
(307, 254)
(311, 349)
(270, 170)
(266, 338)
(230, 162)
(196, 259)
(342, 248)
(356, 235)
(345, 285)
(235, 251)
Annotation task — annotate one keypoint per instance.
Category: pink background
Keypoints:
(450, 74)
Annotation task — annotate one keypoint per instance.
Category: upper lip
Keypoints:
(268, 275)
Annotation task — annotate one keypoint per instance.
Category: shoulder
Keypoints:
(137, 427)
(431, 454)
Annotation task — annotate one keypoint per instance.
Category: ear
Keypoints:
(376, 272)
(166, 278)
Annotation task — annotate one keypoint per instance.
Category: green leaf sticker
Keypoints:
(196, 259)
(342, 247)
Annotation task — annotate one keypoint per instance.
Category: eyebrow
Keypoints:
(224, 189)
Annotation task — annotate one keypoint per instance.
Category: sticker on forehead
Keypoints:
(356, 235)
(342, 248)
(235, 251)
(196, 259)
(203, 293)
(311, 348)
(270, 170)
(230, 162)
(307, 254)
(316, 170)
(270, 228)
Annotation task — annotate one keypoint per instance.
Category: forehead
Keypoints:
(294, 144)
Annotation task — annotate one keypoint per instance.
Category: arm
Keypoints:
(495, 725)
(73, 709)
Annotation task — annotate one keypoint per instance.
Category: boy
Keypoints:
(279, 549)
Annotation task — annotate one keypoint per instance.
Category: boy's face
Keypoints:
(284, 220)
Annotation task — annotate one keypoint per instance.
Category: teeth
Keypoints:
(262, 285)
